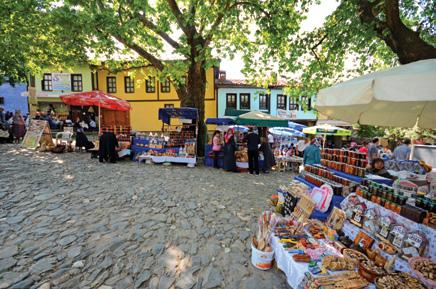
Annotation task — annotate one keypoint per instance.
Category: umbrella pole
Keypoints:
(323, 143)
(99, 119)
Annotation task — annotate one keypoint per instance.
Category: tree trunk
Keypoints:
(194, 97)
(403, 41)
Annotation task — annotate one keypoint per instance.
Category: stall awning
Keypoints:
(166, 114)
(260, 119)
(220, 121)
(96, 98)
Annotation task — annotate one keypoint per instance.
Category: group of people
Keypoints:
(255, 146)
(13, 125)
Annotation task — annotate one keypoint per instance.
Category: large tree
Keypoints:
(358, 37)
(195, 31)
(31, 38)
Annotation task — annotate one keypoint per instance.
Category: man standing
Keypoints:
(253, 142)
(373, 150)
(402, 152)
(312, 153)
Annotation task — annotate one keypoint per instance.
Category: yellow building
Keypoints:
(146, 94)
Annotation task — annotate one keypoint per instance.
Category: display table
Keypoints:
(351, 230)
(294, 271)
(375, 178)
(169, 159)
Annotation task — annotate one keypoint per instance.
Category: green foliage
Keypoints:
(342, 48)
(31, 38)
(394, 134)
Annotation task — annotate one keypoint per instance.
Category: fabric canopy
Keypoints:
(96, 98)
(401, 96)
(166, 114)
(286, 131)
(220, 121)
(258, 118)
(296, 126)
(327, 130)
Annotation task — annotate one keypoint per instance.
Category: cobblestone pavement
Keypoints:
(67, 221)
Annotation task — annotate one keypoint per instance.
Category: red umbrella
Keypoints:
(96, 98)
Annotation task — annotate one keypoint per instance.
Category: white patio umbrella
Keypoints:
(401, 96)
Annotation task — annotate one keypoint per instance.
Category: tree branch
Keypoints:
(147, 23)
(179, 17)
(157, 63)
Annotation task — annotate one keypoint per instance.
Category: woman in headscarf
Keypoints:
(18, 126)
(268, 156)
(229, 151)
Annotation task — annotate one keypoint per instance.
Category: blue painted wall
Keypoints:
(13, 99)
(254, 101)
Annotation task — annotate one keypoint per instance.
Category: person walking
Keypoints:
(229, 163)
(402, 152)
(18, 126)
(312, 153)
(216, 147)
(373, 150)
(253, 142)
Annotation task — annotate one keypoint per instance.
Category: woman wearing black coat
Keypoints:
(229, 151)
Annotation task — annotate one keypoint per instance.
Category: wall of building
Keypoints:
(300, 114)
(12, 97)
(40, 99)
(145, 105)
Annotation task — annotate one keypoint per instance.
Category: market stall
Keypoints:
(327, 130)
(283, 138)
(222, 124)
(362, 244)
(177, 141)
(261, 121)
(113, 113)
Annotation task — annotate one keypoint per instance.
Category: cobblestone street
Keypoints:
(67, 221)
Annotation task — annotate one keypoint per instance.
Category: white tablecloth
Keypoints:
(294, 271)
(168, 159)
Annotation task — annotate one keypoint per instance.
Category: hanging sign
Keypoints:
(61, 81)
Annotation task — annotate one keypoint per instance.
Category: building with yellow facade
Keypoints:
(145, 92)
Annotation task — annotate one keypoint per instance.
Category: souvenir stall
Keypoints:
(222, 125)
(283, 138)
(175, 144)
(360, 245)
(260, 120)
(113, 113)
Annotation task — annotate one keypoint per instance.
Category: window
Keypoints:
(169, 105)
(264, 101)
(32, 81)
(165, 86)
(231, 100)
(244, 101)
(293, 103)
(129, 84)
(2, 100)
(281, 101)
(47, 84)
(150, 84)
(111, 82)
(307, 100)
(76, 82)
